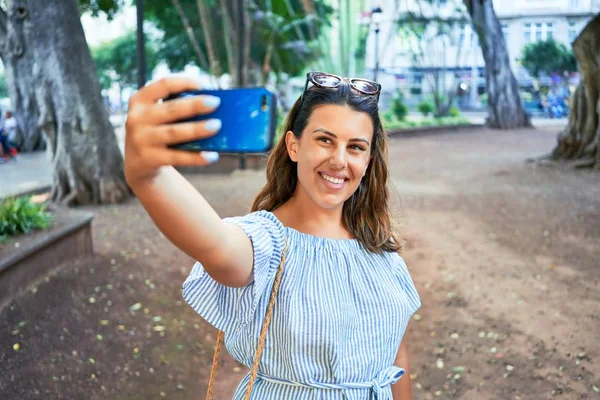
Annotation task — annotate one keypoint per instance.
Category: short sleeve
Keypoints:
(414, 301)
(223, 306)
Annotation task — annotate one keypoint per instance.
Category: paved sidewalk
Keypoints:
(29, 172)
(33, 170)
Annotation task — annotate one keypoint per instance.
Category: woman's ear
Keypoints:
(291, 144)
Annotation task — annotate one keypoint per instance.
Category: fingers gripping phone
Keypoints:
(248, 117)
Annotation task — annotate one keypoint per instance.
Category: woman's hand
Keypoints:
(177, 208)
(151, 128)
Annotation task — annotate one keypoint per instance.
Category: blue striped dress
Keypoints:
(338, 321)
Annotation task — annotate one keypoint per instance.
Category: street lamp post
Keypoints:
(376, 18)
(141, 48)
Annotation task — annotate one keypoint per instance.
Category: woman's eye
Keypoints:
(357, 147)
(324, 139)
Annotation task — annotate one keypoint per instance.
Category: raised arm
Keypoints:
(176, 207)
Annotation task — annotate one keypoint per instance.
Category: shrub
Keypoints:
(399, 109)
(388, 116)
(20, 215)
(425, 107)
(454, 112)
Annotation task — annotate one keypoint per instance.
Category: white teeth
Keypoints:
(332, 180)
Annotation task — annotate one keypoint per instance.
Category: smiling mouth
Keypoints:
(332, 180)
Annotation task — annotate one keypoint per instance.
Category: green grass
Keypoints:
(392, 123)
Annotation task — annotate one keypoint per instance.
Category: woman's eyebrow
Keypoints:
(333, 135)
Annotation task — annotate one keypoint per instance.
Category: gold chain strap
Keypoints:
(261, 339)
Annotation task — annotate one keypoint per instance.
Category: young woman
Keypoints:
(345, 296)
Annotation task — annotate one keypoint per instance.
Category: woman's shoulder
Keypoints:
(256, 217)
(258, 225)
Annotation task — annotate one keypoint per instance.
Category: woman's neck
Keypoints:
(302, 214)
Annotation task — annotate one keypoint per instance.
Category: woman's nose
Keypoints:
(338, 158)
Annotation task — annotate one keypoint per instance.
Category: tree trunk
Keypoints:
(29, 134)
(505, 107)
(580, 140)
(56, 90)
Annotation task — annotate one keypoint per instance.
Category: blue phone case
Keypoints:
(248, 117)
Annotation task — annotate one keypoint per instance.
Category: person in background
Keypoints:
(8, 129)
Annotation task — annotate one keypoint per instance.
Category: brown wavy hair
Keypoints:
(366, 213)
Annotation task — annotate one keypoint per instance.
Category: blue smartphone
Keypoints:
(248, 117)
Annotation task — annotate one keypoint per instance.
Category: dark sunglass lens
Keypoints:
(365, 86)
(326, 80)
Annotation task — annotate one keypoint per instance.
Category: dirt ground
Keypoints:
(505, 255)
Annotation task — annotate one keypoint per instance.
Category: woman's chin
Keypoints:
(331, 201)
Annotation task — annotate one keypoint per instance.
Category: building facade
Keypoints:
(451, 57)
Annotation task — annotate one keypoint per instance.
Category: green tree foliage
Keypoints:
(548, 57)
(97, 7)
(283, 33)
(116, 61)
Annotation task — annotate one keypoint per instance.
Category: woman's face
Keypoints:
(332, 154)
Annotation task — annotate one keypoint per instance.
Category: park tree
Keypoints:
(55, 92)
(116, 61)
(249, 40)
(548, 57)
(505, 107)
(580, 140)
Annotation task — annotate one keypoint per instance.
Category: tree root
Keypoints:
(585, 163)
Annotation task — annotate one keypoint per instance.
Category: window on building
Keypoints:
(574, 4)
(549, 31)
(505, 32)
(527, 33)
(538, 31)
(572, 31)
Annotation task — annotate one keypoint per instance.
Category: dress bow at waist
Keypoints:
(379, 385)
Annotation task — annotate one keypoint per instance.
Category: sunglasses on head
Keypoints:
(325, 80)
